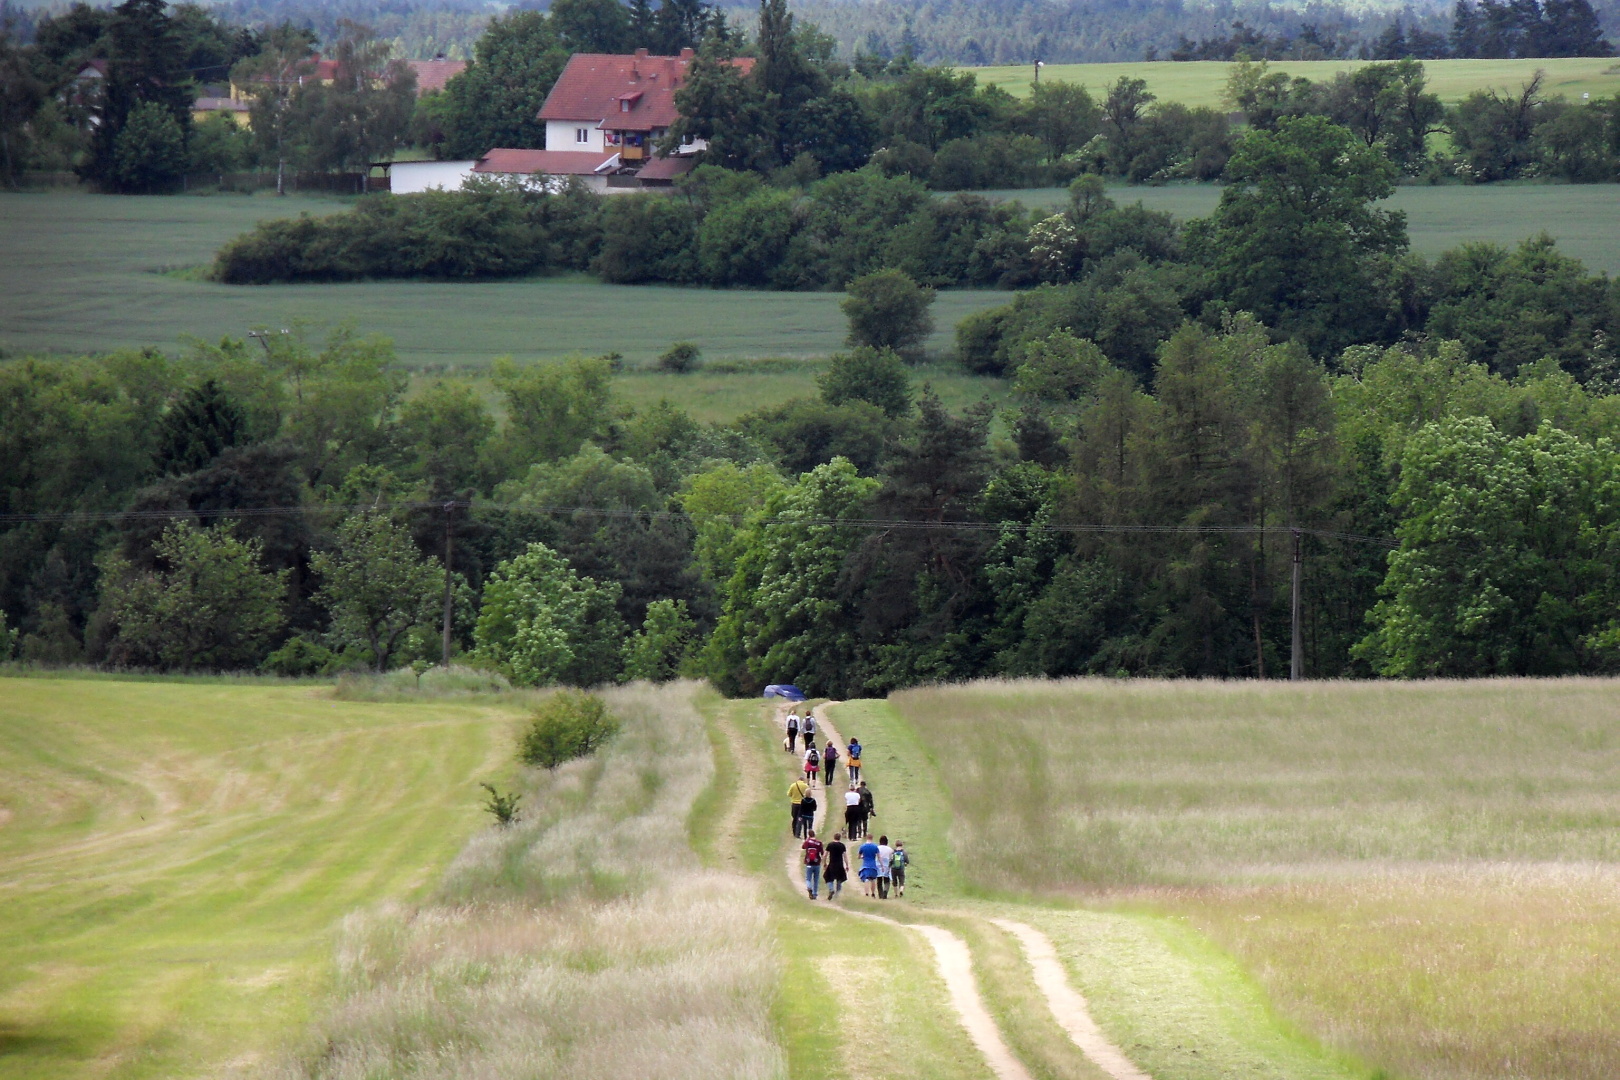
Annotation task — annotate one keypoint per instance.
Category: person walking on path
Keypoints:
(836, 870)
(885, 867)
(807, 811)
(869, 871)
(829, 764)
(812, 763)
(812, 863)
(852, 813)
(868, 808)
(852, 759)
(796, 793)
(792, 730)
(807, 728)
(897, 867)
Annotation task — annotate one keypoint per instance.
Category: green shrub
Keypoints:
(679, 358)
(569, 724)
(503, 807)
(300, 657)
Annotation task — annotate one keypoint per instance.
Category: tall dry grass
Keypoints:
(1426, 874)
(583, 942)
(1103, 782)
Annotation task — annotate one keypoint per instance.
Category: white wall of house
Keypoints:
(565, 135)
(408, 177)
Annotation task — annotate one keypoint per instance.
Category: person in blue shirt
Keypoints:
(869, 867)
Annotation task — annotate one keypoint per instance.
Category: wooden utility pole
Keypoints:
(449, 552)
(1296, 657)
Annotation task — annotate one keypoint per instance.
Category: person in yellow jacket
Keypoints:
(796, 793)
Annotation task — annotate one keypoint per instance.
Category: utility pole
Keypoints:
(449, 551)
(1038, 66)
(1296, 657)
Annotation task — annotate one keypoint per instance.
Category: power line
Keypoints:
(869, 524)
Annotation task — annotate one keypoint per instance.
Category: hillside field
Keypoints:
(1200, 82)
(1421, 874)
(83, 273)
(175, 859)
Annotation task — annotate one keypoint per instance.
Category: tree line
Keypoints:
(802, 114)
(1487, 30)
(1179, 406)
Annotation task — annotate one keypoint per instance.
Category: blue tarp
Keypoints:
(784, 690)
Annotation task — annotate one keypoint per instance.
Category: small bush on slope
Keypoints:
(578, 942)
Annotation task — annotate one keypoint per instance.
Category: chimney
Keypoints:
(635, 63)
(687, 54)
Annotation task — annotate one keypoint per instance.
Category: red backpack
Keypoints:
(812, 852)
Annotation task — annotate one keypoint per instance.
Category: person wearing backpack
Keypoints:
(796, 793)
(885, 867)
(812, 863)
(829, 764)
(868, 808)
(807, 728)
(792, 730)
(807, 811)
(897, 867)
(852, 760)
(812, 763)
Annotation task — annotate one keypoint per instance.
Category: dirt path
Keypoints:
(1068, 1004)
(748, 769)
(951, 953)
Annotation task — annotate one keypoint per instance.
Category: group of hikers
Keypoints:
(882, 867)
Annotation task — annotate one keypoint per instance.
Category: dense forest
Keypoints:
(1186, 406)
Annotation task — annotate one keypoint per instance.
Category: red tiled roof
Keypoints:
(624, 93)
(552, 162)
(432, 74)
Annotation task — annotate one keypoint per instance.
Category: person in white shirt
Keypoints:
(852, 813)
(885, 860)
(807, 728)
(792, 729)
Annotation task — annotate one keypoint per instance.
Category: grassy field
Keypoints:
(1584, 219)
(584, 941)
(176, 859)
(1202, 82)
(82, 273)
(1422, 875)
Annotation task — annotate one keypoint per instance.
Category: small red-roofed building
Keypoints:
(621, 104)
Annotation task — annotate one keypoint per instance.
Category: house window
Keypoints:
(582, 135)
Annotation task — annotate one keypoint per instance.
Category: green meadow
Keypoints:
(175, 859)
(1201, 82)
(86, 273)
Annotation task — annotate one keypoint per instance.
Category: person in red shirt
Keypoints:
(812, 864)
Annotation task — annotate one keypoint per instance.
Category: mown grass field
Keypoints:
(1201, 82)
(1422, 875)
(82, 273)
(175, 858)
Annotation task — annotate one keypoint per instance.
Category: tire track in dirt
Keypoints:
(955, 963)
(1068, 1005)
(951, 955)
